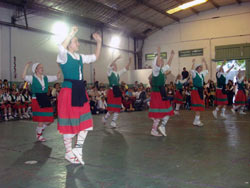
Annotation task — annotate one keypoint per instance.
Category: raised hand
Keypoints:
(130, 60)
(28, 63)
(97, 37)
(224, 62)
(158, 49)
(119, 57)
(74, 30)
(172, 52)
(58, 75)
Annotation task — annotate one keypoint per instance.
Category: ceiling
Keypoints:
(138, 18)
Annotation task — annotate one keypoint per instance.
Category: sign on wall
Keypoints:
(190, 53)
(151, 56)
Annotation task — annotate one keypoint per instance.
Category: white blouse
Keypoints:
(62, 57)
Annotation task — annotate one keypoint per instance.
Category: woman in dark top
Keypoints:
(230, 92)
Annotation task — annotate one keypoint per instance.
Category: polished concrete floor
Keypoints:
(214, 156)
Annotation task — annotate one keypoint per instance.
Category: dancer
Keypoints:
(114, 94)
(197, 95)
(160, 107)
(240, 98)
(41, 106)
(221, 94)
(74, 116)
(178, 98)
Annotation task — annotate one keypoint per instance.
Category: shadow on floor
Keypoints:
(20, 174)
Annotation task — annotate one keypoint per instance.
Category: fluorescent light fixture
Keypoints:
(60, 31)
(186, 5)
(115, 41)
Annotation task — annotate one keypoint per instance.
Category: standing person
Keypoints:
(240, 98)
(230, 92)
(74, 116)
(114, 93)
(184, 73)
(221, 95)
(178, 98)
(160, 106)
(197, 95)
(41, 106)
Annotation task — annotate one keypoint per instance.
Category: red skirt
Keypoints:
(240, 98)
(71, 119)
(18, 106)
(178, 98)
(3, 106)
(114, 103)
(197, 104)
(159, 108)
(27, 104)
(221, 99)
(41, 114)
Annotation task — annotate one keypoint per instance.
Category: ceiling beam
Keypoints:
(72, 17)
(143, 2)
(118, 15)
(192, 9)
(214, 4)
(133, 17)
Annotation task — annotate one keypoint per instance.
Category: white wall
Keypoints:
(201, 31)
(34, 46)
(5, 52)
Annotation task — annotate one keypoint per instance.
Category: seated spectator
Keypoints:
(102, 92)
(14, 87)
(123, 84)
(93, 92)
(139, 102)
(55, 90)
(6, 84)
(96, 84)
(129, 92)
(212, 91)
(187, 93)
(170, 92)
(93, 105)
(136, 84)
(207, 95)
(26, 100)
(127, 103)
(6, 106)
(102, 105)
(1, 84)
(148, 97)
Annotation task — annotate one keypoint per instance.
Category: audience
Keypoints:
(15, 100)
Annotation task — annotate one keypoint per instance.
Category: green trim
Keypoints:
(74, 121)
(240, 102)
(158, 110)
(49, 114)
(178, 99)
(114, 105)
(198, 105)
(220, 99)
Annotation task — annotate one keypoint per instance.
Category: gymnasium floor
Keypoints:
(215, 156)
